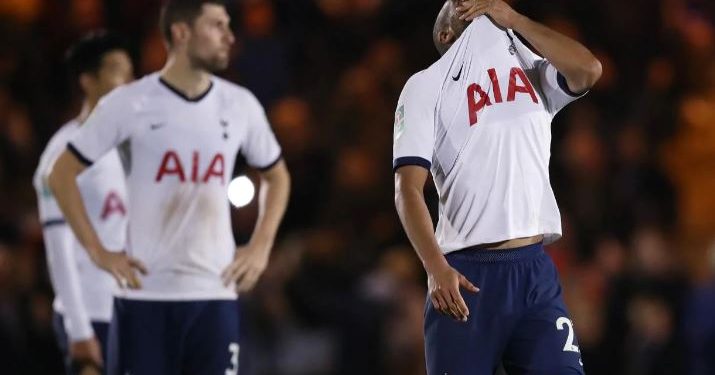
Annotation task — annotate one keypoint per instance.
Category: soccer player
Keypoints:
(479, 119)
(83, 303)
(182, 128)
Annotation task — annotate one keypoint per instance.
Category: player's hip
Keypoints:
(511, 281)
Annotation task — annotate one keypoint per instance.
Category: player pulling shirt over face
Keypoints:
(479, 119)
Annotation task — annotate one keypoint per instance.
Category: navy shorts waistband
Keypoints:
(481, 255)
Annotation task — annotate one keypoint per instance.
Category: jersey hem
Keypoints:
(163, 296)
(549, 238)
(92, 315)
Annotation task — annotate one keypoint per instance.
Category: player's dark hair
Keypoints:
(187, 11)
(85, 56)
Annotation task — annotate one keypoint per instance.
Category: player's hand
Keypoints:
(87, 354)
(123, 267)
(247, 266)
(444, 292)
(498, 10)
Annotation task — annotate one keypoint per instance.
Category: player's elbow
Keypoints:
(399, 198)
(399, 195)
(404, 194)
(584, 76)
(592, 72)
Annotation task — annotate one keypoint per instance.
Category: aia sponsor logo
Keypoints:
(113, 204)
(173, 167)
(477, 98)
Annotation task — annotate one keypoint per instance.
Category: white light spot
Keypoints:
(241, 191)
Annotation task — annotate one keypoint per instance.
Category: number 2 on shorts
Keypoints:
(569, 346)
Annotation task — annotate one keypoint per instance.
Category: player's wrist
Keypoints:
(261, 241)
(80, 343)
(98, 255)
(436, 264)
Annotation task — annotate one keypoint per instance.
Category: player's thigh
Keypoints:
(463, 348)
(212, 346)
(545, 343)
(141, 340)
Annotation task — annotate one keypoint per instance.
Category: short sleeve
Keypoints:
(261, 149)
(554, 87)
(105, 128)
(413, 137)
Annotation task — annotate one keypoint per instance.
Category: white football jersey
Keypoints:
(480, 120)
(105, 196)
(180, 154)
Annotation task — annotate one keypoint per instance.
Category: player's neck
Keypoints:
(87, 106)
(180, 75)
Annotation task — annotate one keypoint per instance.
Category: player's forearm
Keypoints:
(65, 282)
(572, 59)
(417, 223)
(63, 182)
(272, 202)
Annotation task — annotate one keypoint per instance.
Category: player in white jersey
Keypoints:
(183, 128)
(83, 292)
(480, 120)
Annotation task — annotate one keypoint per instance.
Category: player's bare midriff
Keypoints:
(513, 243)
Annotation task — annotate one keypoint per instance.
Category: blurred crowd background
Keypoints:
(633, 167)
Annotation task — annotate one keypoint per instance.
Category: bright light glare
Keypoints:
(241, 191)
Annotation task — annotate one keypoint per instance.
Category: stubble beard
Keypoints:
(212, 64)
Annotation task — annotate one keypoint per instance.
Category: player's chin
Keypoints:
(219, 64)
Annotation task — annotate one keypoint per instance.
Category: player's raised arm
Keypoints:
(251, 260)
(573, 60)
(444, 281)
(63, 182)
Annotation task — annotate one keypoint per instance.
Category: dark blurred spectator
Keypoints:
(699, 324)
(653, 284)
(653, 348)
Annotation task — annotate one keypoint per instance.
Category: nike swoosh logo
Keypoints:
(156, 126)
(458, 74)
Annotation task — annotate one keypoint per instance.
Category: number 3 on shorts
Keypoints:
(233, 350)
(569, 346)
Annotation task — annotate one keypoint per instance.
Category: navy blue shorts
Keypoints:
(100, 332)
(517, 320)
(174, 337)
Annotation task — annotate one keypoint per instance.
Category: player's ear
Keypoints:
(87, 82)
(180, 32)
(446, 36)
